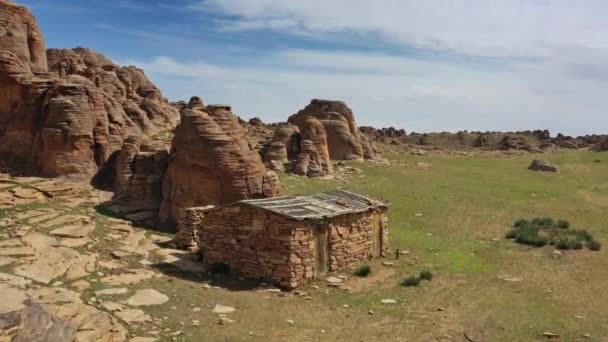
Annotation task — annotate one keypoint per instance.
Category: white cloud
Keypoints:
(495, 28)
(415, 94)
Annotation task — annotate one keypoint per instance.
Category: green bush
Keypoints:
(511, 234)
(411, 281)
(583, 235)
(542, 231)
(594, 245)
(363, 271)
(576, 244)
(543, 222)
(563, 245)
(426, 275)
(521, 223)
(219, 267)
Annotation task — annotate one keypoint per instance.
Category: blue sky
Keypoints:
(420, 65)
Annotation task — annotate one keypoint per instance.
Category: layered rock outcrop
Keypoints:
(67, 114)
(211, 163)
(601, 146)
(344, 140)
(139, 173)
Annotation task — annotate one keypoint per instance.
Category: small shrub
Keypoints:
(540, 241)
(576, 244)
(426, 275)
(583, 235)
(543, 222)
(521, 223)
(594, 245)
(562, 245)
(511, 234)
(363, 271)
(411, 281)
(563, 224)
(219, 267)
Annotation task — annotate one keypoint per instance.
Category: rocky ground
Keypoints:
(58, 252)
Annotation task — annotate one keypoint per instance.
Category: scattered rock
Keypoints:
(147, 297)
(111, 292)
(133, 315)
(225, 321)
(334, 280)
(388, 301)
(550, 334)
(290, 321)
(543, 166)
(221, 309)
(511, 279)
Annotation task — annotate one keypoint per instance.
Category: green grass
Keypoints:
(453, 217)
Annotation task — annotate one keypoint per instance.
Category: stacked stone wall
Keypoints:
(258, 244)
(266, 246)
(351, 239)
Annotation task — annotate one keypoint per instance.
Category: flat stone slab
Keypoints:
(388, 301)
(334, 280)
(131, 277)
(51, 263)
(53, 295)
(11, 243)
(73, 243)
(82, 266)
(39, 241)
(6, 261)
(66, 220)
(113, 306)
(147, 297)
(74, 231)
(133, 315)
(222, 309)
(511, 279)
(13, 299)
(112, 292)
(17, 252)
(14, 281)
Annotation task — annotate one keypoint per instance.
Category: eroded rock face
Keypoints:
(314, 145)
(67, 115)
(20, 35)
(140, 169)
(344, 140)
(601, 146)
(211, 163)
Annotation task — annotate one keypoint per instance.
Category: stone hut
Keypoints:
(290, 240)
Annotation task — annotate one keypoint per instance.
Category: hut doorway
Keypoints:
(377, 234)
(321, 250)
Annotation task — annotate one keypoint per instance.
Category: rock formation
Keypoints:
(314, 158)
(601, 146)
(211, 163)
(343, 137)
(67, 114)
(139, 172)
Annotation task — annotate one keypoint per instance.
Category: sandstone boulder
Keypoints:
(139, 172)
(344, 140)
(67, 114)
(211, 163)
